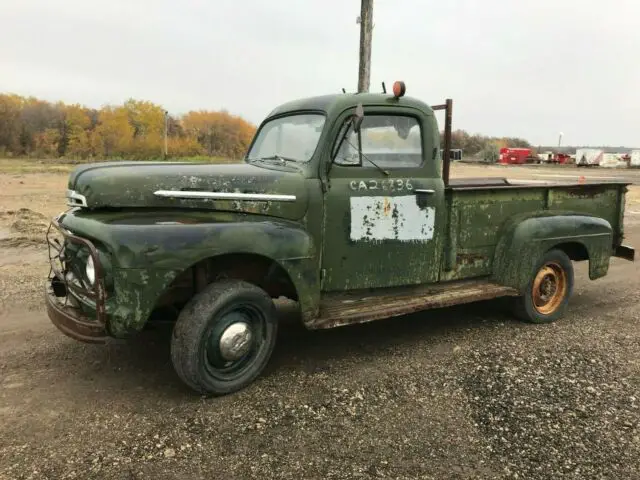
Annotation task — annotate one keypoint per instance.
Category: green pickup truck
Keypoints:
(343, 205)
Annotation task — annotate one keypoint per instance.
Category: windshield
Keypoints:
(293, 137)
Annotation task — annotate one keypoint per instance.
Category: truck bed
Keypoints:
(478, 208)
(477, 182)
(493, 182)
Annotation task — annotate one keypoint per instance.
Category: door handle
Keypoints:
(422, 190)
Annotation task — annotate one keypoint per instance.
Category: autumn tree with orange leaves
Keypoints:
(30, 127)
(219, 133)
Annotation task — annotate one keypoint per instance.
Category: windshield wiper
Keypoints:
(367, 158)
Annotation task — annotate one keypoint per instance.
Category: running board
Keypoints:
(338, 309)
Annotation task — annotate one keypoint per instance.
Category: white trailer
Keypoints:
(635, 158)
(613, 160)
(589, 156)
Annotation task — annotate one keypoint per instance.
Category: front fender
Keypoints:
(148, 250)
(524, 240)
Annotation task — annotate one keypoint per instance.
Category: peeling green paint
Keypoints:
(527, 236)
(136, 292)
(131, 185)
(152, 254)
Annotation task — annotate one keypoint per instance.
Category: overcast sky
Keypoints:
(513, 67)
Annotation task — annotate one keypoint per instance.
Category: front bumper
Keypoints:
(72, 322)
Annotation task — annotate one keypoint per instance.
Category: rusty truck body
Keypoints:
(344, 205)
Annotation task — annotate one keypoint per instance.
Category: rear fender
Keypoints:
(524, 240)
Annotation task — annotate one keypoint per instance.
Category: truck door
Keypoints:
(384, 208)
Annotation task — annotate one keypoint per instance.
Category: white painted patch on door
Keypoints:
(391, 218)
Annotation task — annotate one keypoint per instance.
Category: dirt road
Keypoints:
(455, 393)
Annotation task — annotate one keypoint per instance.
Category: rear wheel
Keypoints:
(224, 337)
(548, 291)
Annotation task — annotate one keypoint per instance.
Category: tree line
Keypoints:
(30, 127)
(481, 145)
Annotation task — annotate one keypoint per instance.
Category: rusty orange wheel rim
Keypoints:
(549, 288)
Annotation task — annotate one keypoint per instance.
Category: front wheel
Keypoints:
(224, 337)
(547, 294)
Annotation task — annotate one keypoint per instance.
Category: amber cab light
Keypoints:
(399, 89)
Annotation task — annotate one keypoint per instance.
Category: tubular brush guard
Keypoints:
(70, 319)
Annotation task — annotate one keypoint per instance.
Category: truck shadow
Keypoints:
(312, 350)
(144, 362)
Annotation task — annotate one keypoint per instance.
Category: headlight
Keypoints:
(90, 270)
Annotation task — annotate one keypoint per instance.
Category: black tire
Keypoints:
(196, 352)
(524, 306)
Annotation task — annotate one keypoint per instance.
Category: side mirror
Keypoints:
(358, 118)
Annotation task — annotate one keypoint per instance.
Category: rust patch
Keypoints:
(469, 258)
(200, 277)
(365, 306)
(72, 322)
(259, 271)
(387, 207)
(586, 190)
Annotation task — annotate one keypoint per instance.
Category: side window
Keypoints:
(390, 141)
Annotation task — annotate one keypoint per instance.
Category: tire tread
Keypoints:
(192, 323)
(522, 306)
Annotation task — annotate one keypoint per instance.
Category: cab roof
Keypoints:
(334, 104)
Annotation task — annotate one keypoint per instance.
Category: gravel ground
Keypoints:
(458, 393)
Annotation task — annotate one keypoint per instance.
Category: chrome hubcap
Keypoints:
(235, 341)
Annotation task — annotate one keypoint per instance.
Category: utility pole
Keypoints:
(166, 128)
(366, 29)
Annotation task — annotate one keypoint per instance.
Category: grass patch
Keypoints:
(56, 165)
(10, 165)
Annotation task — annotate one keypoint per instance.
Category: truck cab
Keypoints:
(343, 205)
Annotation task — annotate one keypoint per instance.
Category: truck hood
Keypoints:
(225, 187)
